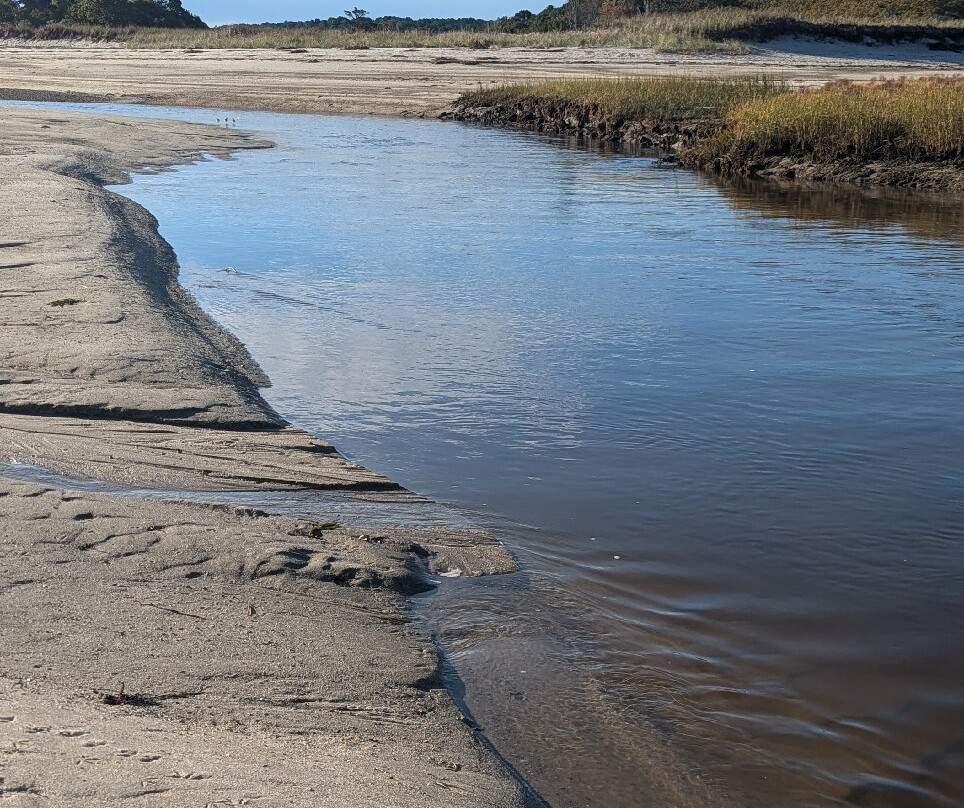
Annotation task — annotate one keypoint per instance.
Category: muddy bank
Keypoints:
(589, 123)
(177, 653)
(930, 176)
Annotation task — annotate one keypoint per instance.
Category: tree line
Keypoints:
(149, 13)
(359, 20)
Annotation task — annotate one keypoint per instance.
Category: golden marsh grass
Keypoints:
(654, 99)
(909, 120)
(906, 120)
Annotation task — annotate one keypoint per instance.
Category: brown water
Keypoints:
(720, 426)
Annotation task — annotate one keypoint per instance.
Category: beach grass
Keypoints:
(58, 32)
(711, 29)
(878, 10)
(907, 120)
(673, 32)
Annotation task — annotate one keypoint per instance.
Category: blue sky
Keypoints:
(220, 11)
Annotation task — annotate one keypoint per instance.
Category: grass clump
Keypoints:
(655, 99)
(905, 120)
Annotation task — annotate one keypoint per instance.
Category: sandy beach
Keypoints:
(410, 81)
(177, 653)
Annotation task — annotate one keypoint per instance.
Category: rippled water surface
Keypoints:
(722, 428)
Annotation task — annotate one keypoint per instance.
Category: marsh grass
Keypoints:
(908, 120)
(742, 121)
(712, 29)
(652, 99)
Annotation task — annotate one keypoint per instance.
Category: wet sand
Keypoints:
(178, 653)
(406, 81)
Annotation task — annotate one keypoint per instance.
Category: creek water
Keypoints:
(720, 427)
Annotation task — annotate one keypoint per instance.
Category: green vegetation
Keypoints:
(653, 100)
(29, 15)
(908, 120)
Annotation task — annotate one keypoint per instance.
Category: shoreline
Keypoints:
(186, 651)
(671, 142)
(683, 141)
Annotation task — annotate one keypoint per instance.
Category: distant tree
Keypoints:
(356, 14)
(8, 11)
(612, 10)
(38, 12)
(98, 12)
(149, 13)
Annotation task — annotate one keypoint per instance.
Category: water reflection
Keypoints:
(928, 214)
(923, 214)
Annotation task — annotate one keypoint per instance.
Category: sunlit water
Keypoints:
(721, 428)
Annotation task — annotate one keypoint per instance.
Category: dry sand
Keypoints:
(400, 81)
(163, 653)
